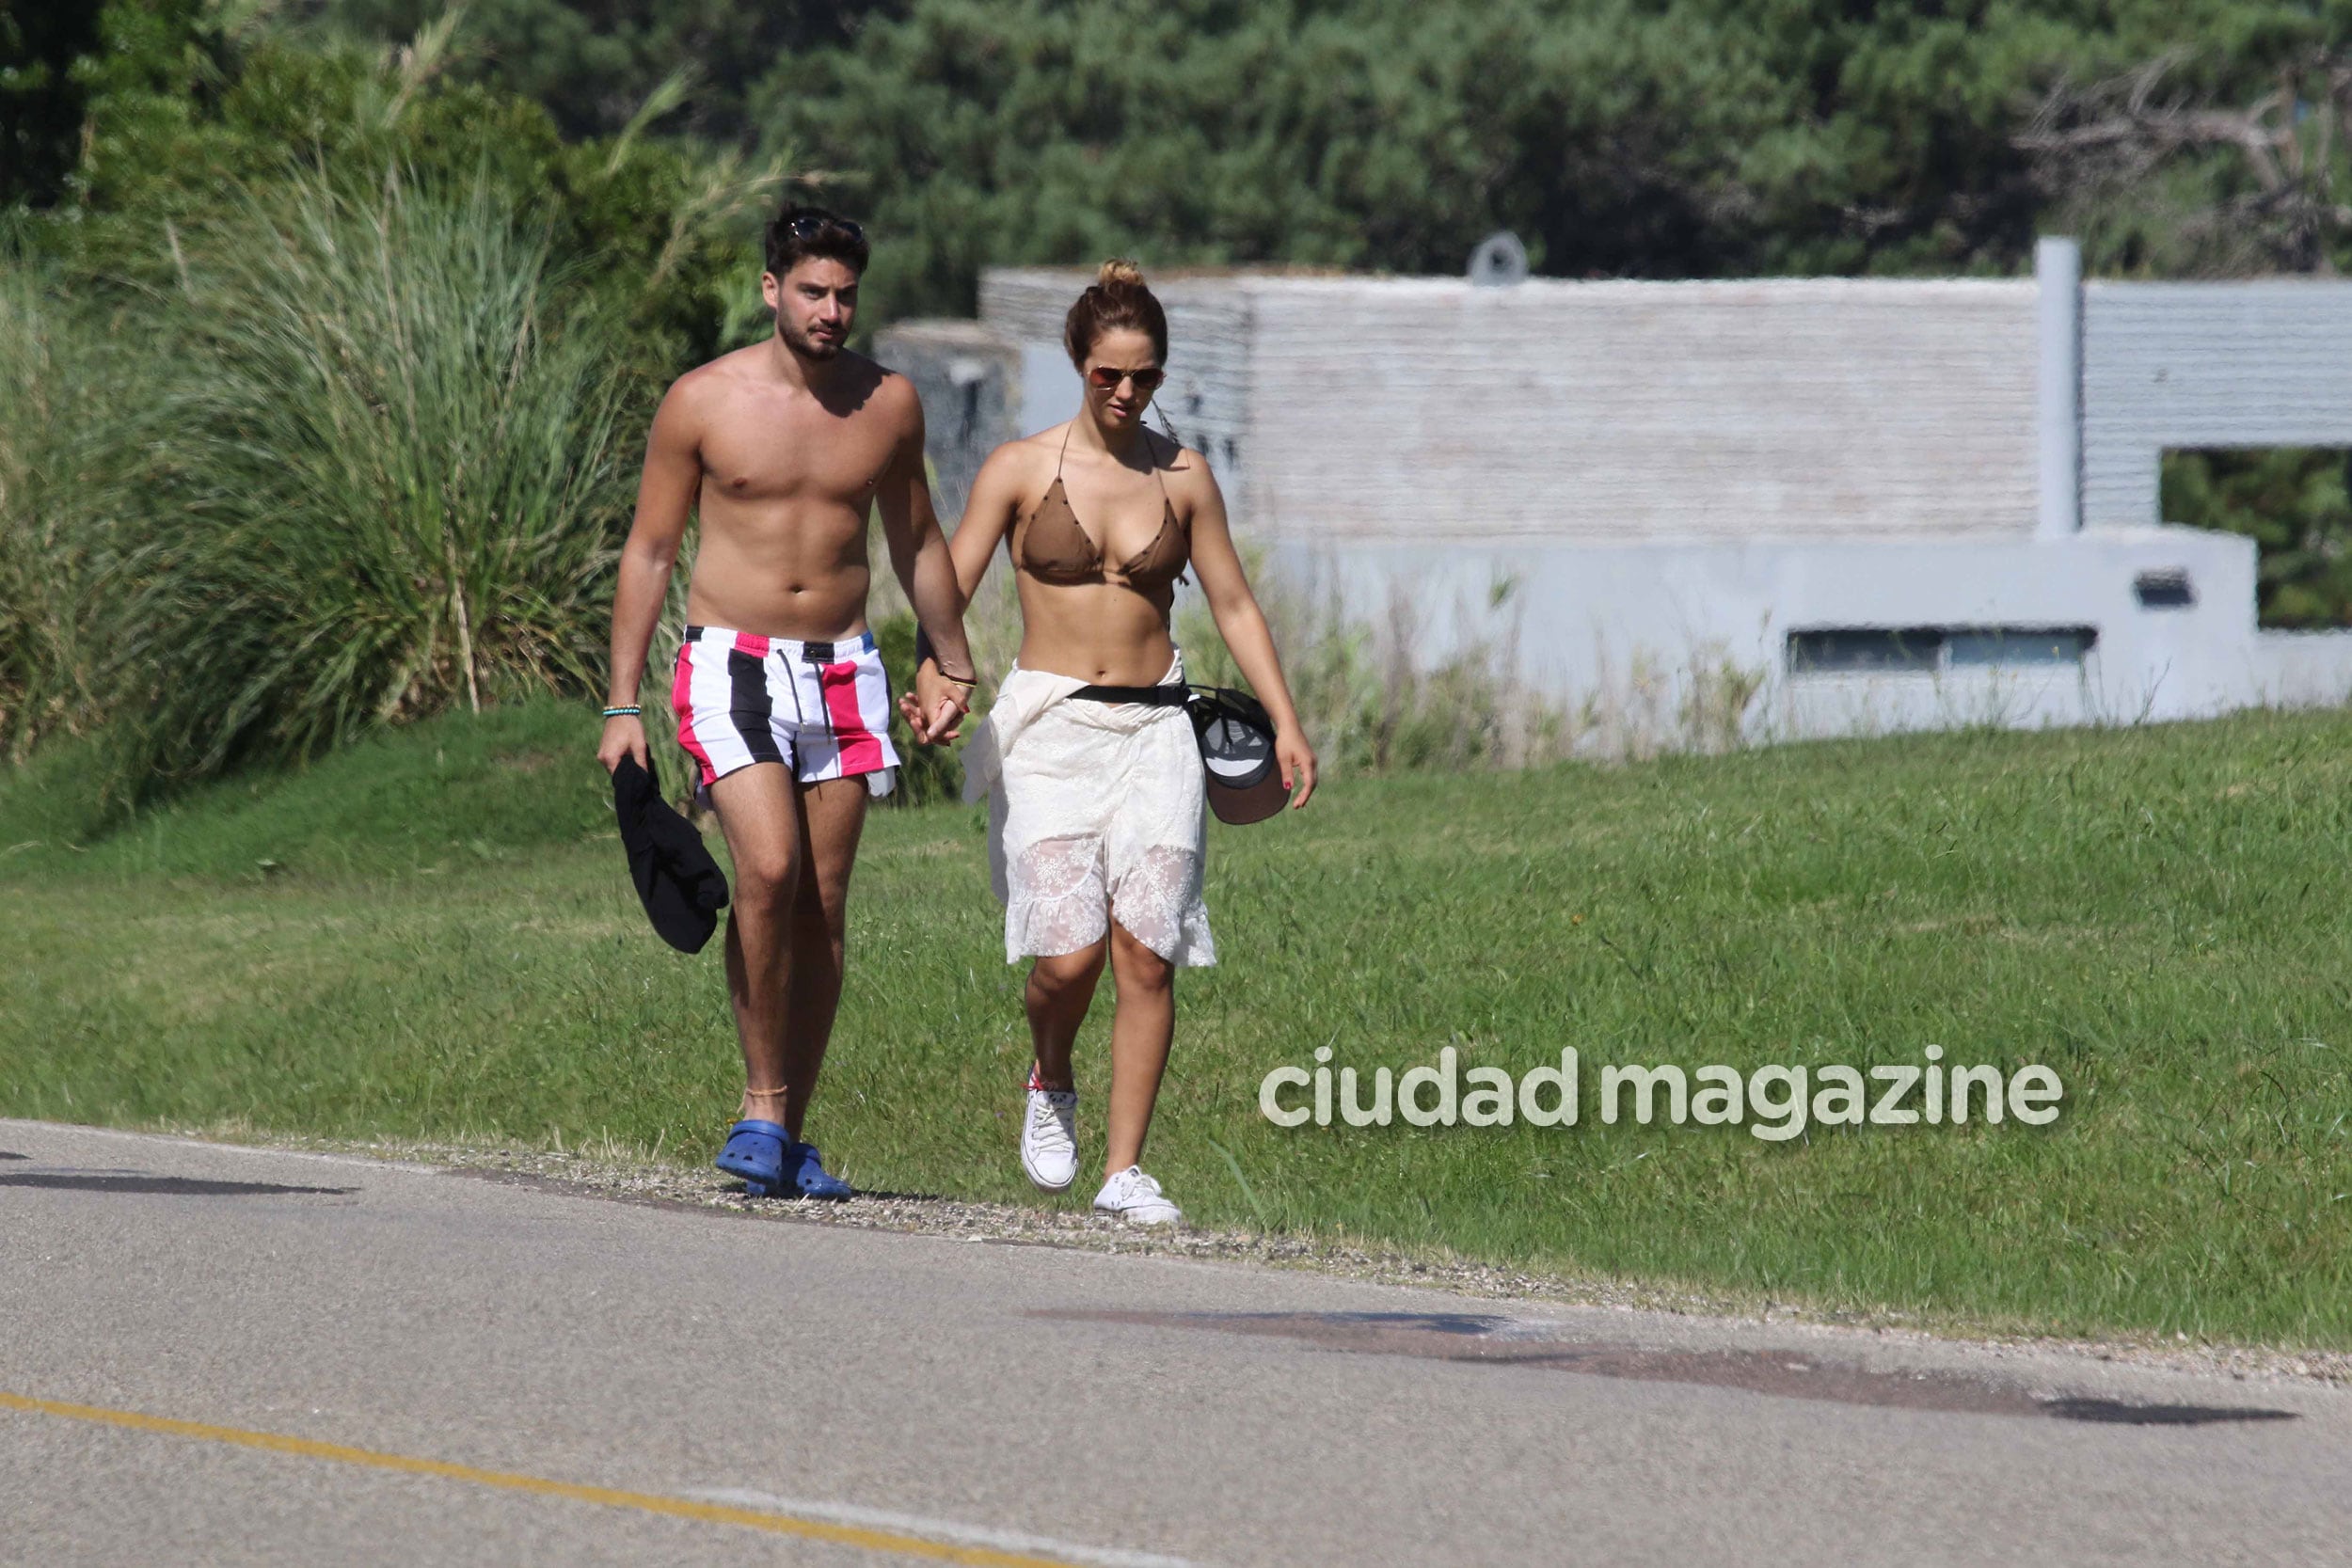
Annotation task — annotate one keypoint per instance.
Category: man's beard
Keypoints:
(802, 344)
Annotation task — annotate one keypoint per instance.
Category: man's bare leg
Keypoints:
(831, 816)
(759, 810)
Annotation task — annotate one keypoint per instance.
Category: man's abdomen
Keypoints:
(803, 579)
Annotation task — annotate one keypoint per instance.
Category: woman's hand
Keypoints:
(1298, 760)
(935, 709)
(624, 736)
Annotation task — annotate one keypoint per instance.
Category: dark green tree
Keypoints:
(2292, 502)
(1618, 138)
(2166, 174)
(40, 103)
(188, 115)
(593, 63)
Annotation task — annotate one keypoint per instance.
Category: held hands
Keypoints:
(1298, 761)
(945, 703)
(624, 736)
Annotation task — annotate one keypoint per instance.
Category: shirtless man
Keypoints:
(781, 449)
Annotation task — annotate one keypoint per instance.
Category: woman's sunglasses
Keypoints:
(1106, 378)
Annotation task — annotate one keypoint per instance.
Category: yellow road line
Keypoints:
(644, 1502)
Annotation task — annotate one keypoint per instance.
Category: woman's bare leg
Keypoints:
(1142, 1029)
(1060, 990)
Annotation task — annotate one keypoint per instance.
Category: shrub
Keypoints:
(397, 477)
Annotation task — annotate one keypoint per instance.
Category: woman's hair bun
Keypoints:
(1117, 299)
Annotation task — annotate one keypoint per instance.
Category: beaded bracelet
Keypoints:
(623, 712)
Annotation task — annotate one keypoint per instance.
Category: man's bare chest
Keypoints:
(797, 459)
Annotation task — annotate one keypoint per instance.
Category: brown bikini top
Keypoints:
(1054, 546)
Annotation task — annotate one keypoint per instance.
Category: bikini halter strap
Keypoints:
(1150, 457)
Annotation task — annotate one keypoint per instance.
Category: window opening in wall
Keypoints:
(1865, 650)
(1933, 650)
(2002, 646)
(2297, 506)
(2169, 588)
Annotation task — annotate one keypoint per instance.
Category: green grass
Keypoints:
(431, 936)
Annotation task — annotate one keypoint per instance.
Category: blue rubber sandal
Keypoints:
(804, 1171)
(760, 1152)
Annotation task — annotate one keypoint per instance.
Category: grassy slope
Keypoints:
(445, 945)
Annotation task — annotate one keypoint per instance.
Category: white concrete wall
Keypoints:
(970, 381)
(2305, 669)
(1607, 413)
(2205, 365)
(1633, 627)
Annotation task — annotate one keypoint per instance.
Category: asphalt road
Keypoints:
(404, 1366)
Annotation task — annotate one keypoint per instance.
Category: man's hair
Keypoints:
(1115, 299)
(800, 231)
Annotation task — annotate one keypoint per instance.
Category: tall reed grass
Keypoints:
(70, 456)
(396, 476)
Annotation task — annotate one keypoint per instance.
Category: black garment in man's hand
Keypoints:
(682, 888)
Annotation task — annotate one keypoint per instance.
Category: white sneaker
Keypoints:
(1048, 1138)
(1133, 1196)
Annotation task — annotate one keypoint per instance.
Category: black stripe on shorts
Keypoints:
(751, 708)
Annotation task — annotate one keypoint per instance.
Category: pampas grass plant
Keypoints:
(70, 455)
(398, 483)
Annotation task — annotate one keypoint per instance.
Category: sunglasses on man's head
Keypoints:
(810, 227)
(1107, 377)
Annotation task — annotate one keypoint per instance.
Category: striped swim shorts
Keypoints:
(822, 709)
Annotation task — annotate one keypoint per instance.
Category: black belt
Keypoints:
(1151, 696)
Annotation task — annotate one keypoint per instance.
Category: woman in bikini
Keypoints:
(1095, 802)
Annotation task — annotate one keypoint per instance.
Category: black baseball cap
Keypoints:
(682, 888)
(1245, 777)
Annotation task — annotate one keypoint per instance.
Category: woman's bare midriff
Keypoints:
(1102, 632)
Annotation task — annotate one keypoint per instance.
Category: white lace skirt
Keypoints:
(1096, 813)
